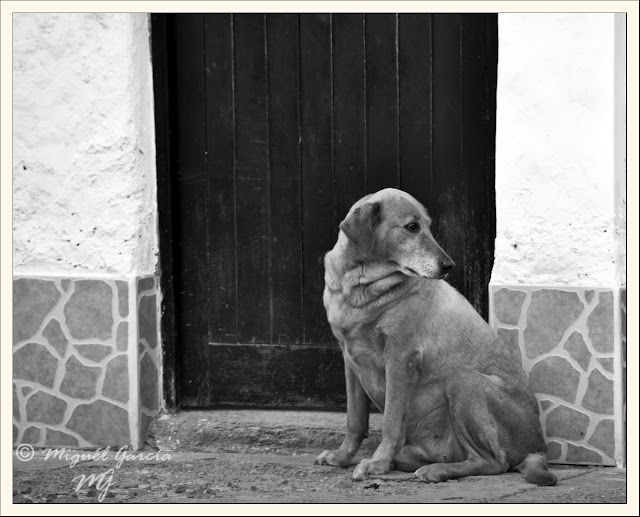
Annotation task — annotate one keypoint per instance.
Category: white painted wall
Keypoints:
(84, 182)
(557, 197)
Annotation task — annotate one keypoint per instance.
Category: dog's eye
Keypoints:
(412, 227)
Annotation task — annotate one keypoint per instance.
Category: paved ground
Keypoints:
(267, 457)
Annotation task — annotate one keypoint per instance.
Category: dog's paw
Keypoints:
(434, 473)
(334, 458)
(368, 468)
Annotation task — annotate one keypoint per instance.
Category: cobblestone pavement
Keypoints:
(227, 477)
(267, 457)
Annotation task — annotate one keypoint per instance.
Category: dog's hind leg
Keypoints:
(498, 427)
(476, 466)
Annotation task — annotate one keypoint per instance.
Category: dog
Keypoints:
(454, 396)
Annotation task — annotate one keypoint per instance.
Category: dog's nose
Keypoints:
(448, 266)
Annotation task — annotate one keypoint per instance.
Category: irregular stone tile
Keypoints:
(599, 394)
(116, 379)
(79, 380)
(101, 423)
(550, 314)
(510, 337)
(31, 435)
(565, 422)
(576, 454)
(148, 383)
(554, 451)
(555, 376)
(144, 284)
(33, 362)
(603, 437)
(122, 336)
(607, 363)
(600, 323)
(140, 349)
(588, 295)
(544, 404)
(56, 338)
(55, 438)
(95, 353)
(16, 404)
(578, 349)
(65, 284)
(45, 408)
(147, 326)
(26, 390)
(32, 301)
(507, 305)
(16, 432)
(123, 298)
(88, 312)
(145, 423)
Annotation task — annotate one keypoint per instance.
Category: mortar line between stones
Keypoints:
(133, 365)
(153, 353)
(57, 312)
(527, 364)
(618, 387)
(66, 398)
(564, 442)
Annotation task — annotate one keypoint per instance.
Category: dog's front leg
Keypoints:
(357, 423)
(401, 376)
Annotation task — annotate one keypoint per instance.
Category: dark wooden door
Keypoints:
(269, 128)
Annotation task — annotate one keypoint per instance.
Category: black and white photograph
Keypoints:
(271, 254)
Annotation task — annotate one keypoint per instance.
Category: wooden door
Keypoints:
(269, 128)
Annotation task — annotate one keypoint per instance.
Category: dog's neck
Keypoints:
(361, 281)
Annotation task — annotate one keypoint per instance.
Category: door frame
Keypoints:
(163, 77)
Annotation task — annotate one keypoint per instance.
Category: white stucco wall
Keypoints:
(558, 203)
(84, 183)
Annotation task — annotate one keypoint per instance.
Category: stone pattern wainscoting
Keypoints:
(572, 345)
(85, 361)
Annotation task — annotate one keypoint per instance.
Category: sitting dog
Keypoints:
(454, 397)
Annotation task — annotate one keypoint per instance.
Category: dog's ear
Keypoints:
(359, 226)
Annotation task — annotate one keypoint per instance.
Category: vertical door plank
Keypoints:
(382, 102)
(221, 277)
(349, 111)
(252, 179)
(415, 83)
(286, 210)
(472, 155)
(318, 227)
(477, 171)
(192, 262)
(448, 182)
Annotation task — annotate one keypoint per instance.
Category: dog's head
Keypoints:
(391, 225)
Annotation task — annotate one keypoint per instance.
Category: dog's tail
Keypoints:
(536, 471)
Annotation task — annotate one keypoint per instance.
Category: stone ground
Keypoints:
(267, 457)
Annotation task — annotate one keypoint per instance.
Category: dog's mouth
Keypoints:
(412, 272)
